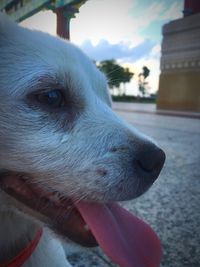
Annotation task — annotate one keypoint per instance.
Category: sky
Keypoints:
(129, 31)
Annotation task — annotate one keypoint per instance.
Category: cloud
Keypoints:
(111, 20)
(173, 12)
(147, 14)
(156, 51)
(136, 68)
(121, 51)
(157, 11)
(127, 20)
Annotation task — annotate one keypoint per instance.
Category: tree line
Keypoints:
(118, 75)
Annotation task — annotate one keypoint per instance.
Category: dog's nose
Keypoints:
(151, 161)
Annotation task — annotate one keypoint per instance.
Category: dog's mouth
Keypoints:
(127, 240)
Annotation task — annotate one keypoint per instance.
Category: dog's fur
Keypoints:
(83, 151)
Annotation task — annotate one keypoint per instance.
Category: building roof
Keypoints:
(22, 9)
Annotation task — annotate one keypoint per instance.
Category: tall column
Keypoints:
(64, 15)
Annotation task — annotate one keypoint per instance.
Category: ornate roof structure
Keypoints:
(22, 9)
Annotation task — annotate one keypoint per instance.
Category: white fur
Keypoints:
(34, 143)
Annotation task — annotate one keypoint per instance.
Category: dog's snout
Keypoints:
(152, 160)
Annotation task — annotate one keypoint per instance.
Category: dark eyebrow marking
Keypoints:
(44, 82)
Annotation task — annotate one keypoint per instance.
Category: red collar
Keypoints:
(23, 256)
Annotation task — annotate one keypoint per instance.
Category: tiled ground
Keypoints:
(172, 205)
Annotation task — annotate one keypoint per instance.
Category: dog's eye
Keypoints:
(52, 99)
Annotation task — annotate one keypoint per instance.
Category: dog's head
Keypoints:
(58, 133)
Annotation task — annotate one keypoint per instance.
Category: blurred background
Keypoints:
(128, 32)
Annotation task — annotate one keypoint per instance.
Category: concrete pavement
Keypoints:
(172, 204)
(151, 109)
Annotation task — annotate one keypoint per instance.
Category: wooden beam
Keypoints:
(62, 3)
(62, 23)
(29, 9)
(4, 3)
(64, 9)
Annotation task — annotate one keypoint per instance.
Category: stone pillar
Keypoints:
(179, 84)
(62, 23)
(64, 13)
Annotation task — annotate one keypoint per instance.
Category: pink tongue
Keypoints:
(127, 240)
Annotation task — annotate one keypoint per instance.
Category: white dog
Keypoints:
(65, 157)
